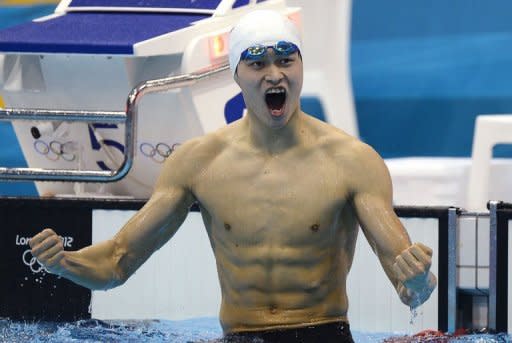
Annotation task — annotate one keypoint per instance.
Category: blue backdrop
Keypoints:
(421, 72)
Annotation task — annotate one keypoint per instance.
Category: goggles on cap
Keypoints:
(256, 52)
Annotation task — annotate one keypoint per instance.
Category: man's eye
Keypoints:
(285, 61)
(256, 64)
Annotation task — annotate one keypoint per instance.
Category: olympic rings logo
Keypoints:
(55, 150)
(158, 153)
(34, 265)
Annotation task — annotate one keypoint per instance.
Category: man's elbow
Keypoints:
(118, 279)
(120, 271)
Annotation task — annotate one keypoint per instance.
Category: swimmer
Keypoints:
(282, 196)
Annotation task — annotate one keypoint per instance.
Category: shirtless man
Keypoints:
(281, 195)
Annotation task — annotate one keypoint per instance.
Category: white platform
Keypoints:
(490, 130)
(437, 181)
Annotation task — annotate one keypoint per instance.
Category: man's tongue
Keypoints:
(276, 112)
(275, 103)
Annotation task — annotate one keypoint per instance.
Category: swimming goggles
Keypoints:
(281, 48)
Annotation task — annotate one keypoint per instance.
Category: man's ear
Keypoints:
(235, 76)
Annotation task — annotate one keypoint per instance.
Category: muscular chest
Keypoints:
(283, 198)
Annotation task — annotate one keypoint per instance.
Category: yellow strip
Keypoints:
(2, 103)
(26, 2)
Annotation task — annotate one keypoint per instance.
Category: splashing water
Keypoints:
(200, 330)
(152, 331)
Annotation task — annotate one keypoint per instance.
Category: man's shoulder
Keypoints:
(207, 144)
(341, 145)
(200, 151)
(333, 138)
(193, 157)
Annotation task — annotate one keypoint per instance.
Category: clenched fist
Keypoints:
(412, 269)
(48, 249)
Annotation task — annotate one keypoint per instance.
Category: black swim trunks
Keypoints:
(338, 332)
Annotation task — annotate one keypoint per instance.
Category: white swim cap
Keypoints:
(265, 27)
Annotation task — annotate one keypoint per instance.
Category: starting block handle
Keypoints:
(129, 118)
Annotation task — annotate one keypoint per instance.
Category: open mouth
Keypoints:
(275, 99)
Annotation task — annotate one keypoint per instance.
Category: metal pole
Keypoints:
(452, 268)
(493, 260)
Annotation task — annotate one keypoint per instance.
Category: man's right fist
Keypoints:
(48, 249)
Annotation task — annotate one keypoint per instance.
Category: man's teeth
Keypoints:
(275, 91)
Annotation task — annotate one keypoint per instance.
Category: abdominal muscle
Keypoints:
(270, 287)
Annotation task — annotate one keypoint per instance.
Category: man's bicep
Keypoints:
(172, 196)
(373, 203)
(151, 227)
(160, 217)
(372, 193)
(171, 199)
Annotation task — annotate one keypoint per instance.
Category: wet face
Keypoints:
(271, 86)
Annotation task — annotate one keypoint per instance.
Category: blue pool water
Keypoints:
(185, 331)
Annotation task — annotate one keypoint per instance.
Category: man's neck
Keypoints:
(275, 140)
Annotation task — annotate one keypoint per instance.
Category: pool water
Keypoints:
(185, 331)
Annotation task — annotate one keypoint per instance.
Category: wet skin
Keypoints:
(281, 196)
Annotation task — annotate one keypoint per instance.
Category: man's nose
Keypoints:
(274, 75)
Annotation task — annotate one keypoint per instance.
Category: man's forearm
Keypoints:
(94, 267)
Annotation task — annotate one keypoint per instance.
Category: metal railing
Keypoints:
(452, 269)
(129, 118)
